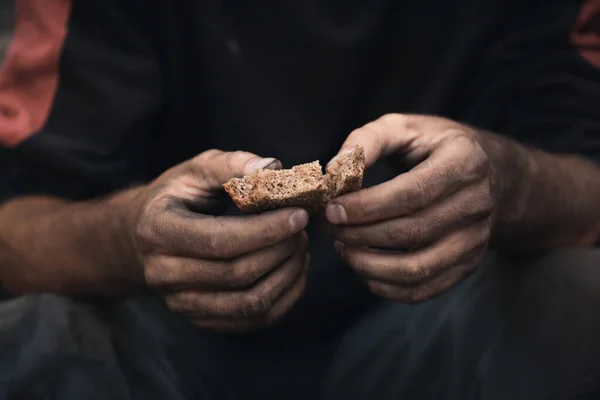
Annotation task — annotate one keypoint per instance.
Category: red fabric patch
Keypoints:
(29, 74)
(586, 33)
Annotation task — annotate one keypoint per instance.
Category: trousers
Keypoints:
(526, 328)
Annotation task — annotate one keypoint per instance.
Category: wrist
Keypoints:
(507, 163)
(127, 206)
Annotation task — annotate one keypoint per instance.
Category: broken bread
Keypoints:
(345, 173)
(301, 186)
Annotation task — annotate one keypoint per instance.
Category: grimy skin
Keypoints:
(466, 190)
(224, 273)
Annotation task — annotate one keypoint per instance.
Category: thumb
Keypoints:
(213, 168)
(379, 138)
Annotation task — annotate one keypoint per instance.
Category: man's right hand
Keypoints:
(223, 273)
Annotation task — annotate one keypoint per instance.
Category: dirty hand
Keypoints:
(417, 235)
(224, 273)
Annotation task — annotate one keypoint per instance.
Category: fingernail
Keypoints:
(341, 153)
(336, 214)
(304, 240)
(299, 220)
(274, 165)
(262, 163)
(339, 247)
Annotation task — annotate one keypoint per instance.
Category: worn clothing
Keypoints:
(100, 95)
(146, 84)
(522, 329)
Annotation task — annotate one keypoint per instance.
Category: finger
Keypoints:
(428, 290)
(389, 134)
(175, 230)
(423, 227)
(211, 169)
(253, 324)
(253, 301)
(178, 273)
(409, 268)
(450, 167)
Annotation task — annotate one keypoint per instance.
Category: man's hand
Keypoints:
(224, 273)
(417, 235)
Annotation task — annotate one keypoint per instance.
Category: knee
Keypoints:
(51, 325)
(52, 343)
(566, 280)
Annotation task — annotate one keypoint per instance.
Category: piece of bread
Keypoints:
(301, 186)
(345, 173)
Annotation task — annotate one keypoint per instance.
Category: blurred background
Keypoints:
(6, 25)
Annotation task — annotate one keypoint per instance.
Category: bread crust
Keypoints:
(346, 173)
(301, 186)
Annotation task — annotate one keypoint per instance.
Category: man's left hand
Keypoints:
(417, 235)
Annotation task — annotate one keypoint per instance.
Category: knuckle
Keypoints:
(479, 235)
(486, 232)
(401, 122)
(488, 198)
(271, 319)
(206, 155)
(243, 274)
(199, 167)
(147, 229)
(396, 274)
(377, 290)
(394, 119)
(470, 159)
(477, 163)
(478, 249)
(232, 159)
(415, 296)
(255, 304)
(154, 271)
(219, 243)
(483, 202)
(481, 242)
(227, 247)
(420, 196)
(145, 234)
(412, 296)
(380, 290)
(359, 264)
(371, 132)
(480, 162)
(411, 236)
(266, 320)
(197, 164)
(177, 303)
(212, 245)
(413, 271)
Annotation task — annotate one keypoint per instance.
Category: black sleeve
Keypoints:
(540, 81)
(95, 129)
